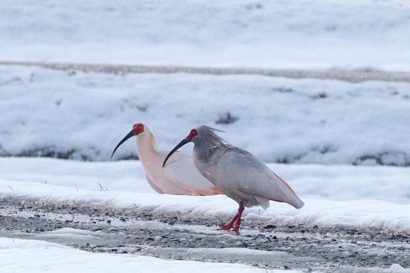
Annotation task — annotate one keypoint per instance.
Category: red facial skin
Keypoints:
(138, 128)
(192, 134)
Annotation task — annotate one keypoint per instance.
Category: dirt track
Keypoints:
(177, 236)
(335, 74)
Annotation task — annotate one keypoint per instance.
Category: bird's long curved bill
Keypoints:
(130, 134)
(182, 143)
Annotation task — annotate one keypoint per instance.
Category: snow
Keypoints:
(84, 115)
(311, 33)
(334, 195)
(38, 256)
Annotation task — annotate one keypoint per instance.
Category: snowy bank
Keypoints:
(334, 195)
(84, 115)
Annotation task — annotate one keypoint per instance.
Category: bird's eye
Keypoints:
(193, 134)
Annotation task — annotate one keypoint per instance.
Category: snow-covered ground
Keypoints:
(334, 195)
(83, 115)
(41, 257)
(279, 120)
(310, 33)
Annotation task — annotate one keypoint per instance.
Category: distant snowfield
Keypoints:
(84, 115)
(334, 195)
(41, 257)
(303, 34)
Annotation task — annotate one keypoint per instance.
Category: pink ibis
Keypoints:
(237, 173)
(178, 177)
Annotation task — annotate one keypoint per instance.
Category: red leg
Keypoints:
(229, 225)
(237, 224)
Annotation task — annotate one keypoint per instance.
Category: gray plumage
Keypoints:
(236, 172)
(239, 174)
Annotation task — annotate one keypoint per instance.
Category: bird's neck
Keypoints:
(146, 145)
(204, 151)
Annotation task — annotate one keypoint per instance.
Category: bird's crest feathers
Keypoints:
(208, 136)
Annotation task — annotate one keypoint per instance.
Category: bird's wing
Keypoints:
(252, 177)
(181, 171)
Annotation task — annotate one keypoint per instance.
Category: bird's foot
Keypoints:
(226, 227)
(235, 223)
(231, 226)
(230, 229)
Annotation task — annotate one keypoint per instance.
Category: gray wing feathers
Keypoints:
(254, 178)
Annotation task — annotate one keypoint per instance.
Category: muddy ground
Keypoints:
(178, 236)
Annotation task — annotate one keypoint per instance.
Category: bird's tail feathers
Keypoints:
(291, 198)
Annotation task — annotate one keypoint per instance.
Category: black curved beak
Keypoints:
(182, 143)
(130, 134)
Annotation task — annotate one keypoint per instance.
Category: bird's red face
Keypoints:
(138, 128)
(192, 134)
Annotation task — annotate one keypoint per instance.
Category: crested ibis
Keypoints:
(178, 177)
(237, 173)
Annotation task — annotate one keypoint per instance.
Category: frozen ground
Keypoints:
(355, 218)
(377, 197)
(83, 115)
(169, 235)
(310, 34)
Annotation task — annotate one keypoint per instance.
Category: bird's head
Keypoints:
(137, 129)
(191, 137)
